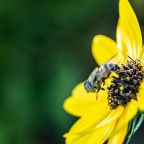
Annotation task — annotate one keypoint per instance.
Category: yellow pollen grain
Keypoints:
(116, 91)
(114, 75)
(122, 87)
(128, 78)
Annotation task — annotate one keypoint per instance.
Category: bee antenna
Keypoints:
(130, 58)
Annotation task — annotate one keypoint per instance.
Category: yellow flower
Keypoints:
(99, 122)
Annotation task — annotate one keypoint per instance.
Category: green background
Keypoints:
(44, 52)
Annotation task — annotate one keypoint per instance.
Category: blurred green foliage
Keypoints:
(44, 52)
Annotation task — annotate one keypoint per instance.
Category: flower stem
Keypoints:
(137, 122)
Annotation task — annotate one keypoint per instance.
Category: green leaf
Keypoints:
(132, 129)
(135, 125)
(139, 123)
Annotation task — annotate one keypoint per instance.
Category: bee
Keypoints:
(98, 76)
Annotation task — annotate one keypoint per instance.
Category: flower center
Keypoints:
(124, 87)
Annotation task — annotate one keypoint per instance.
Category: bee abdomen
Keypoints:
(112, 67)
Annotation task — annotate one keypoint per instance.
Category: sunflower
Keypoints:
(118, 112)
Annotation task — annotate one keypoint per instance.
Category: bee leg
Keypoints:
(102, 88)
(97, 93)
(103, 81)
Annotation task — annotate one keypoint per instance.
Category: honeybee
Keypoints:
(98, 76)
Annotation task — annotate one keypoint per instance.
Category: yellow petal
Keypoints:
(114, 115)
(77, 139)
(78, 107)
(80, 92)
(80, 102)
(129, 30)
(142, 58)
(128, 114)
(140, 97)
(92, 118)
(101, 134)
(121, 43)
(103, 49)
(119, 137)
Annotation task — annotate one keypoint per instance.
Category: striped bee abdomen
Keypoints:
(112, 67)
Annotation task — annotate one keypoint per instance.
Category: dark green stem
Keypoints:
(137, 122)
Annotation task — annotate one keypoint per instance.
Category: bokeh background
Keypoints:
(44, 52)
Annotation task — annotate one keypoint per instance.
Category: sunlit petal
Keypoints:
(92, 118)
(129, 33)
(103, 49)
(119, 137)
(101, 134)
(114, 115)
(128, 114)
(140, 97)
(142, 58)
(77, 139)
(80, 102)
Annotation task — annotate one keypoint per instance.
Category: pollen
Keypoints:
(121, 87)
(125, 85)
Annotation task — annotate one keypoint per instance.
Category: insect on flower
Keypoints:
(130, 76)
(118, 112)
(98, 76)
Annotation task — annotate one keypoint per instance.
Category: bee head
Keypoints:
(88, 87)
